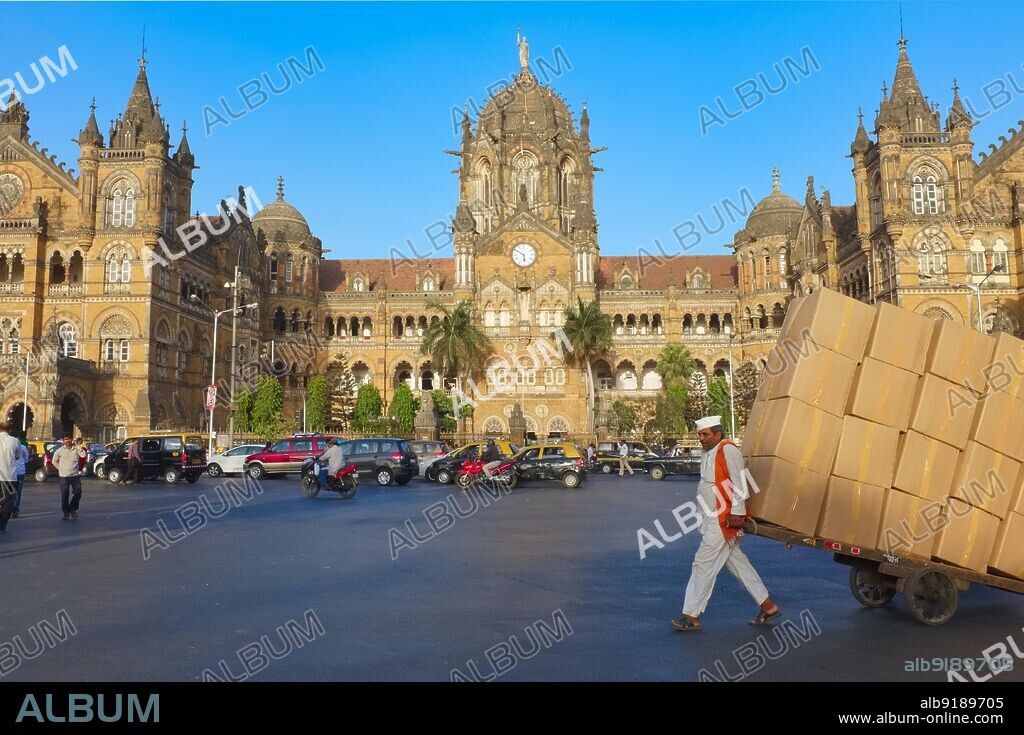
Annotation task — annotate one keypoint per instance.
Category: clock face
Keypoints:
(523, 254)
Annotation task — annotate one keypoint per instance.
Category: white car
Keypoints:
(231, 461)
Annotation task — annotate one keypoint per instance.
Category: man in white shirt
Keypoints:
(623, 456)
(10, 452)
(721, 468)
(67, 460)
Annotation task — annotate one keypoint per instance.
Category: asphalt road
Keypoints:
(314, 580)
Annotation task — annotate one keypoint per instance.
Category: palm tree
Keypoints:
(675, 363)
(590, 334)
(456, 346)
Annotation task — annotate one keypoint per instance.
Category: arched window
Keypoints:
(918, 192)
(123, 212)
(999, 258)
(525, 173)
(119, 267)
(358, 285)
(288, 268)
(697, 281)
(626, 281)
(67, 340)
(978, 265)
(931, 260)
(428, 284)
(273, 266)
(931, 195)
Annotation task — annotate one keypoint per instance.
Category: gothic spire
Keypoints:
(907, 107)
(90, 134)
(14, 118)
(957, 114)
(861, 142)
(184, 155)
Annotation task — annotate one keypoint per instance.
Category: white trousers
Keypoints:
(713, 554)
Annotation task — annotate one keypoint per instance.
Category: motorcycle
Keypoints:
(345, 481)
(472, 473)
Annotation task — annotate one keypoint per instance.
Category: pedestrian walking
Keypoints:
(591, 455)
(10, 452)
(67, 460)
(721, 465)
(623, 456)
(134, 463)
(19, 471)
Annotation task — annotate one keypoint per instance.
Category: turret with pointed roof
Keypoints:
(183, 156)
(90, 134)
(906, 108)
(134, 126)
(14, 119)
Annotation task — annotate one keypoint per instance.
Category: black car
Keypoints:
(383, 460)
(561, 462)
(684, 463)
(445, 469)
(166, 457)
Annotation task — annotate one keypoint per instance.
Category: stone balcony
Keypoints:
(66, 289)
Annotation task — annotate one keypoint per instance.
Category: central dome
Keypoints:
(776, 214)
(280, 217)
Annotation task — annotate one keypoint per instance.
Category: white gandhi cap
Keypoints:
(708, 421)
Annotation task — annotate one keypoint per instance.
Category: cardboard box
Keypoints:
(867, 452)
(817, 376)
(959, 354)
(882, 393)
(785, 494)
(1008, 551)
(851, 512)
(903, 527)
(985, 479)
(899, 337)
(832, 321)
(967, 538)
(799, 433)
(1006, 374)
(942, 410)
(999, 424)
(752, 427)
(924, 466)
(1017, 496)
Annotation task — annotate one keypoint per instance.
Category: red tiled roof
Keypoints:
(655, 271)
(395, 275)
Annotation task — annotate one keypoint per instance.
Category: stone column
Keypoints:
(517, 425)
(426, 424)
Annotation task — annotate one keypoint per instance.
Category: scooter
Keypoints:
(345, 481)
(472, 473)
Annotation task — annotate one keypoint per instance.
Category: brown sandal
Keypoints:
(685, 625)
(764, 616)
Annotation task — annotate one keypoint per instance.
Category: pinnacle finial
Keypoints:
(142, 59)
(956, 88)
(280, 188)
(184, 127)
(775, 179)
(885, 89)
(860, 116)
(92, 105)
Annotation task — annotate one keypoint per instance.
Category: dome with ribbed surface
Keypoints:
(280, 217)
(776, 214)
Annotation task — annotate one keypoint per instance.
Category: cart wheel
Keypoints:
(868, 595)
(931, 595)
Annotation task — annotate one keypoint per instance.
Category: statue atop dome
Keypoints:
(524, 51)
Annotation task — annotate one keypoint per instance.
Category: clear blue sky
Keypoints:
(360, 144)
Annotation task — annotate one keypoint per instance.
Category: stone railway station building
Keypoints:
(120, 346)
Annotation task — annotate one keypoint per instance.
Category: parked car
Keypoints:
(40, 454)
(445, 469)
(285, 456)
(232, 461)
(385, 460)
(98, 467)
(163, 456)
(563, 462)
(684, 462)
(607, 457)
(427, 452)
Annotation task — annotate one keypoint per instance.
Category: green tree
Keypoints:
(455, 344)
(342, 386)
(590, 334)
(747, 381)
(367, 408)
(718, 402)
(671, 409)
(318, 405)
(624, 416)
(675, 365)
(243, 416)
(267, 407)
(697, 399)
(403, 409)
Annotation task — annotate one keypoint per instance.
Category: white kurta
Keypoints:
(714, 553)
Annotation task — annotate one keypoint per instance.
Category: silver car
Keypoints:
(230, 462)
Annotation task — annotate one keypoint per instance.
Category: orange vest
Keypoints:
(723, 492)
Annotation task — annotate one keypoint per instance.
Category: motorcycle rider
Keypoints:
(331, 461)
(492, 456)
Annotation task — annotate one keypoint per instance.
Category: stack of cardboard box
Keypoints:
(885, 429)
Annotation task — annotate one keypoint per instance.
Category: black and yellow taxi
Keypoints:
(607, 458)
(558, 461)
(164, 456)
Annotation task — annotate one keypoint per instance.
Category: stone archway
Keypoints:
(71, 416)
(15, 417)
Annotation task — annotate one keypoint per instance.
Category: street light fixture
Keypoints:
(975, 288)
(194, 298)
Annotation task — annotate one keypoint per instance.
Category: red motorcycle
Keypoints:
(472, 473)
(345, 481)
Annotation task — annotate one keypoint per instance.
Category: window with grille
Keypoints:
(68, 343)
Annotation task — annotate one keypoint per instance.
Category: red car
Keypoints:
(286, 456)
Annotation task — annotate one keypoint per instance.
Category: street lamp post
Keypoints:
(732, 389)
(24, 412)
(976, 289)
(213, 362)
